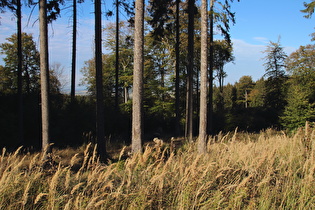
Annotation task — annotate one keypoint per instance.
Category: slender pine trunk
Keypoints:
(137, 124)
(190, 69)
(210, 107)
(20, 65)
(100, 132)
(203, 79)
(177, 113)
(117, 56)
(74, 49)
(44, 75)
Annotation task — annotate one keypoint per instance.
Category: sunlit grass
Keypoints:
(270, 170)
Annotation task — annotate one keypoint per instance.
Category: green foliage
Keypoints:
(301, 65)
(244, 87)
(299, 108)
(30, 65)
(224, 18)
(275, 60)
(161, 12)
(275, 88)
(309, 9)
(158, 76)
(301, 94)
(275, 93)
(108, 75)
(257, 94)
(229, 96)
(125, 64)
(222, 54)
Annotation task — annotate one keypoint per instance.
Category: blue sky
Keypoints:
(261, 21)
(257, 23)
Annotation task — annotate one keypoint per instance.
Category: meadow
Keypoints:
(268, 170)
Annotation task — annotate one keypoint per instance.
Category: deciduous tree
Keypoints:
(301, 95)
(30, 66)
(299, 108)
(220, 17)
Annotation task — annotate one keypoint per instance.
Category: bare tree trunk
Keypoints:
(202, 148)
(210, 120)
(187, 107)
(117, 55)
(177, 122)
(162, 71)
(20, 84)
(74, 49)
(137, 125)
(100, 133)
(44, 75)
(126, 94)
(190, 69)
(126, 97)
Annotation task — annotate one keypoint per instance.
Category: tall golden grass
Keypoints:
(270, 170)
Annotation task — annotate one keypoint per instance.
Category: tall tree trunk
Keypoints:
(74, 49)
(210, 107)
(177, 113)
(203, 79)
(20, 64)
(137, 125)
(44, 75)
(162, 70)
(100, 133)
(190, 69)
(117, 55)
(126, 95)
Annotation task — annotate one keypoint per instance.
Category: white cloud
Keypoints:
(263, 40)
(244, 50)
(248, 61)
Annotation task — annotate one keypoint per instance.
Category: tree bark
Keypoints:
(117, 55)
(126, 97)
(210, 107)
(190, 69)
(137, 125)
(203, 79)
(74, 49)
(44, 75)
(177, 113)
(20, 64)
(100, 133)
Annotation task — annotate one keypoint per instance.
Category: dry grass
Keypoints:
(240, 171)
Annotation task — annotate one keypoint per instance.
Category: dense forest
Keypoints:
(159, 77)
